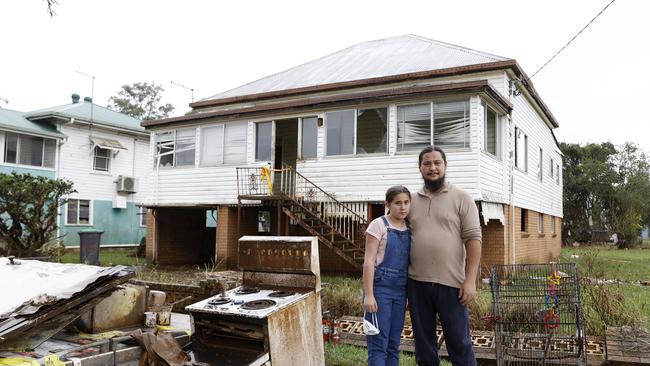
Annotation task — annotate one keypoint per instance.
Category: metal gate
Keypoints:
(537, 315)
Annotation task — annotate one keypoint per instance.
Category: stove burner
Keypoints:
(246, 290)
(280, 294)
(258, 304)
(220, 301)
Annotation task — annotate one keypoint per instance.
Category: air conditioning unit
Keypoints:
(127, 184)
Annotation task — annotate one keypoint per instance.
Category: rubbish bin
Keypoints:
(89, 240)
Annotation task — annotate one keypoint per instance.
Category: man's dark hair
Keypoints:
(429, 149)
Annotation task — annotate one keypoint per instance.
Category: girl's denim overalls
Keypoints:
(389, 286)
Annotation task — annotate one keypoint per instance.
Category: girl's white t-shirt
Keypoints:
(377, 229)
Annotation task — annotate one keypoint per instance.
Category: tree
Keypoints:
(29, 211)
(141, 101)
(605, 187)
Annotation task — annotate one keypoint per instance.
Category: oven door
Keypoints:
(219, 339)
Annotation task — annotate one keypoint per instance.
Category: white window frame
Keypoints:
(300, 137)
(551, 172)
(272, 142)
(557, 173)
(18, 147)
(497, 132)
(109, 158)
(355, 127)
(540, 223)
(199, 152)
(553, 225)
(540, 172)
(143, 216)
(519, 131)
(432, 126)
(90, 212)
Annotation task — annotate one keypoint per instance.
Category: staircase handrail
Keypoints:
(289, 168)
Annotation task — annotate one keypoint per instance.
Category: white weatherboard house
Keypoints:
(103, 152)
(311, 150)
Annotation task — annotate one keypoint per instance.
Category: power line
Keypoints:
(574, 37)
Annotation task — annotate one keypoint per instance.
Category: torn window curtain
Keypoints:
(165, 149)
(451, 124)
(176, 148)
(413, 127)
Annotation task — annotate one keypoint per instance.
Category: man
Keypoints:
(445, 256)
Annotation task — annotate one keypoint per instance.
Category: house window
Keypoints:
(235, 143)
(101, 159)
(523, 224)
(551, 172)
(308, 138)
(176, 148)
(540, 223)
(413, 127)
(212, 145)
(451, 124)
(263, 136)
(29, 150)
(552, 225)
(78, 212)
(521, 150)
(492, 132)
(540, 173)
(372, 125)
(340, 132)
(557, 173)
(223, 144)
(143, 216)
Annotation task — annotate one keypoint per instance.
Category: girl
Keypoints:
(385, 266)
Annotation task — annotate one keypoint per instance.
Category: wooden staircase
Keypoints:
(338, 225)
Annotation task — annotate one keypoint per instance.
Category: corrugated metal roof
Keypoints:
(384, 57)
(16, 121)
(81, 110)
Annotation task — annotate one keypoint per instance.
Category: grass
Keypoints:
(108, 257)
(341, 295)
(348, 355)
(621, 264)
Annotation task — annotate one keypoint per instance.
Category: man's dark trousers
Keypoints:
(426, 300)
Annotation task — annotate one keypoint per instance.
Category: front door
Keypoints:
(286, 148)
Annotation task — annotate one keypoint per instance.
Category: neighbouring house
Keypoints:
(103, 152)
(311, 150)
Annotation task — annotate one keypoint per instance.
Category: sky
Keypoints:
(597, 88)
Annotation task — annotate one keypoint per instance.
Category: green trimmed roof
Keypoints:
(15, 121)
(82, 110)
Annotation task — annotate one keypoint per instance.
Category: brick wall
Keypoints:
(227, 235)
(534, 245)
(530, 246)
(150, 237)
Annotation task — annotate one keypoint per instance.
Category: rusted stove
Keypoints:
(274, 318)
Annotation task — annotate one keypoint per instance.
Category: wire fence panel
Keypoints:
(538, 318)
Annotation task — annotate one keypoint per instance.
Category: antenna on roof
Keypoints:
(184, 87)
(92, 96)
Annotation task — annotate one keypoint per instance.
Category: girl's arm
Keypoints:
(370, 258)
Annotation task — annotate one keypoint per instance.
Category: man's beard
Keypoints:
(434, 185)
